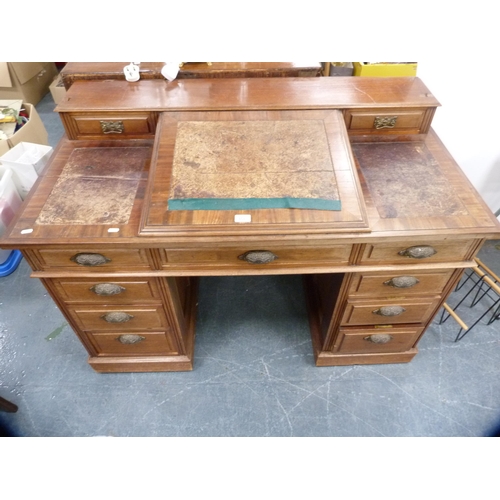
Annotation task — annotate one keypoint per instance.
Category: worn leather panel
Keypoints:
(96, 186)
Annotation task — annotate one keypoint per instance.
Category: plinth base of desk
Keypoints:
(143, 364)
(330, 359)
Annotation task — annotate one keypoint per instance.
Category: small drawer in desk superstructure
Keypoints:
(388, 121)
(103, 125)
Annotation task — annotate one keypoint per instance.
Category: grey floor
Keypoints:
(254, 371)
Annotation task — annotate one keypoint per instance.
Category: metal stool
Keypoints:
(486, 285)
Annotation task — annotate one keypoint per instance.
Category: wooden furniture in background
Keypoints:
(123, 268)
(76, 71)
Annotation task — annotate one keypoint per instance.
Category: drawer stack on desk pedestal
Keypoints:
(127, 320)
(380, 315)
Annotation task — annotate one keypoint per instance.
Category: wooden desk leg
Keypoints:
(7, 406)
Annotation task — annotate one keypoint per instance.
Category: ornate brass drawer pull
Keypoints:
(107, 289)
(90, 259)
(112, 127)
(384, 122)
(402, 282)
(258, 257)
(418, 252)
(117, 317)
(130, 339)
(389, 311)
(381, 338)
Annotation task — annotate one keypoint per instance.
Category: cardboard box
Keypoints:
(27, 162)
(4, 146)
(57, 89)
(28, 81)
(33, 131)
(385, 69)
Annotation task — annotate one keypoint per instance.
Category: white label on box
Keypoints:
(26, 231)
(243, 218)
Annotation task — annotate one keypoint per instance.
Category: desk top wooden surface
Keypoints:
(469, 216)
(247, 93)
(450, 205)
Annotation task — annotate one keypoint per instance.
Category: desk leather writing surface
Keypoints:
(253, 164)
(404, 179)
(329, 174)
(97, 186)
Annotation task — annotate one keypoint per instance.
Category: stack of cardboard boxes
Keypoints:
(27, 82)
(23, 150)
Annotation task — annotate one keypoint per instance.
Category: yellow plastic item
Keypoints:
(385, 69)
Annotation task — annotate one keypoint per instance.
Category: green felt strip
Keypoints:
(251, 203)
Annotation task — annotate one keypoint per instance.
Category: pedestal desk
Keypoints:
(122, 265)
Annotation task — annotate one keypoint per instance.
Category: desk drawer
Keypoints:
(98, 259)
(107, 291)
(385, 284)
(130, 125)
(385, 120)
(159, 343)
(373, 340)
(389, 312)
(256, 256)
(418, 252)
(115, 318)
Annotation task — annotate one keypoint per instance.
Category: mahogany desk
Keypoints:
(123, 267)
(76, 71)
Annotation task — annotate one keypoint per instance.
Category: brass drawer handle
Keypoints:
(130, 339)
(90, 259)
(402, 282)
(258, 257)
(389, 311)
(117, 317)
(380, 338)
(418, 252)
(112, 127)
(107, 289)
(384, 122)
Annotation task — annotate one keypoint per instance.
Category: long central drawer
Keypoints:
(251, 256)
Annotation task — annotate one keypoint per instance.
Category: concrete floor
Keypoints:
(254, 372)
